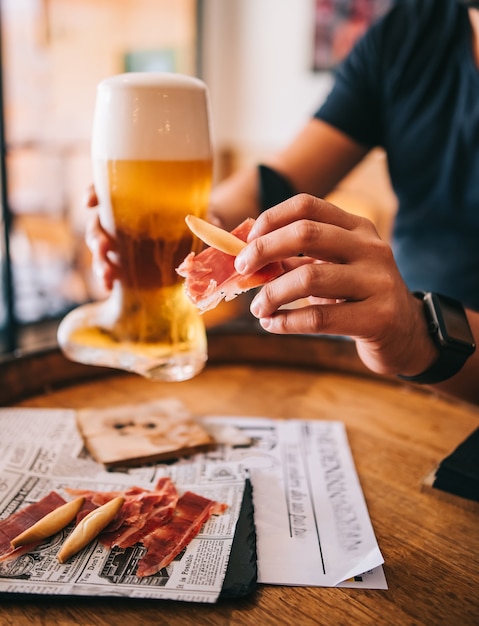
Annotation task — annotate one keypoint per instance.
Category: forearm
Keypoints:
(314, 162)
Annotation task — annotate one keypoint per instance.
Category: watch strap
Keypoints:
(273, 187)
(451, 359)
(447, 365)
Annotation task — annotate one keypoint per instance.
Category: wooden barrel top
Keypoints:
(397, 435)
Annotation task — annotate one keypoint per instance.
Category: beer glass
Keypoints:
(152, 166)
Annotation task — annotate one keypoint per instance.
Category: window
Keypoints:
(54, 52)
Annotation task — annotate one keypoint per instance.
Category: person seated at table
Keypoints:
(410, 85)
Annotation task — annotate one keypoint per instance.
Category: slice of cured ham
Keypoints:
(167, 541)
(23, 519)
(210, 276)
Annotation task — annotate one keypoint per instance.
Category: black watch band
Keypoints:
(451, 333)
(273, 187)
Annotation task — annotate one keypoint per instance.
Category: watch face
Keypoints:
(452, 321)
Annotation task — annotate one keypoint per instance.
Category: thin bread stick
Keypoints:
(214, 236)
(50, 524)
(89, 528)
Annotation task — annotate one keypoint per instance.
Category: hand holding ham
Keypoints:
(349, 278)
(346, 273)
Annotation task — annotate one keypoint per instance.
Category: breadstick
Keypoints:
(50, 524)
(214, 236)
(89, 528)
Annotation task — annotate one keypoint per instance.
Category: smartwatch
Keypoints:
(451, 333)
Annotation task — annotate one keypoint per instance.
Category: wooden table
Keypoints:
(397, 435)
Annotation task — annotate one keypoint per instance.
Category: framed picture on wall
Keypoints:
(338, 25)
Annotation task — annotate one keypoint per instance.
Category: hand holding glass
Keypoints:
(152, 166)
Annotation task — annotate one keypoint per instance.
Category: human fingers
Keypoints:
(372, 281)
(303, 207)
(103, 250)
(368, 300)
(90, 199)
(375, 326)
(338, 318)
(318, 281)
(390, 332)
(341, 238)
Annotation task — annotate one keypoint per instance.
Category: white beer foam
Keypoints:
(151, 116)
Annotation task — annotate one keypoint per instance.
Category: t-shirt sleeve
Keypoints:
(354, 102)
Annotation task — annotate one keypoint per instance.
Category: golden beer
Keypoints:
(149, 201)
(152, 166)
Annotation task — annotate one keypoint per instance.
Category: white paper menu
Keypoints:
(312, 523)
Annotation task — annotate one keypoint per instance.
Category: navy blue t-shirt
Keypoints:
(411, 86)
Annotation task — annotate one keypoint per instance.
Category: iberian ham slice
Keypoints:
(168, 540)
(20, 521)
(210, 276)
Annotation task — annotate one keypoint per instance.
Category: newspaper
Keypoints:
(41, 450)
(311, 519)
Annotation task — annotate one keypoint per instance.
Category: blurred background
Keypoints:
(268, 66)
